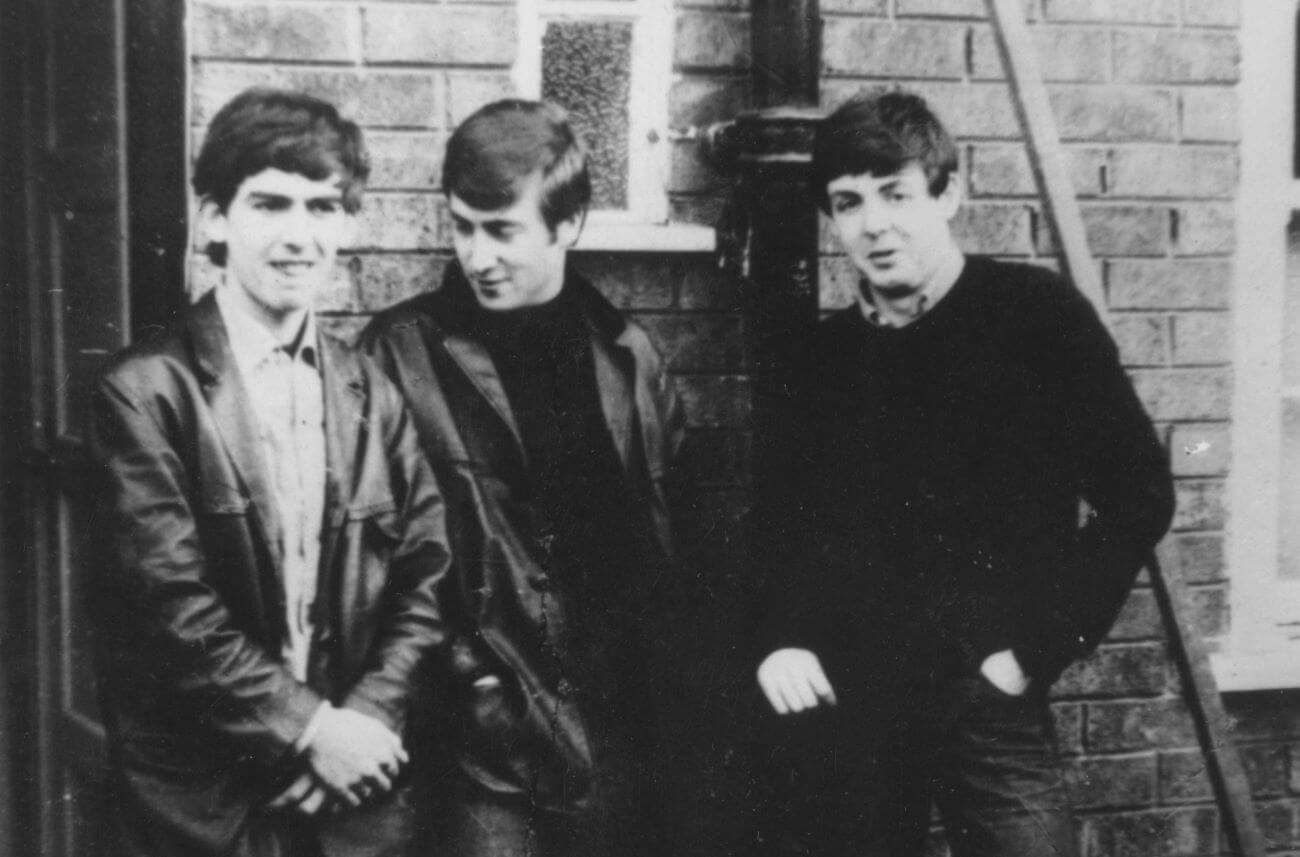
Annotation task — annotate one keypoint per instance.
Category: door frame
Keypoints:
(153, 68)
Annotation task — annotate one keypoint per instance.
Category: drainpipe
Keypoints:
(771, 238)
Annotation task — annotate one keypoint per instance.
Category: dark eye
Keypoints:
(326, 206)
(840, 205)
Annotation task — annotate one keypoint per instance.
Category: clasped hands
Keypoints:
(793, 679)
(351, 758)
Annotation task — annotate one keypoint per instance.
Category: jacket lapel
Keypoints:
(476, 363)
(228, 400)
(617, 397)
(450, 324)
(345, 408)
(345, 395)
(616, 375)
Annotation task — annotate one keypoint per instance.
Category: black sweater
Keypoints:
(929, 506)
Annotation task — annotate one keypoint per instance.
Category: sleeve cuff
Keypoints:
(1041, 666)
(313, 726)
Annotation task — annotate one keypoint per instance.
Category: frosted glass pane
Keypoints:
(587, 68)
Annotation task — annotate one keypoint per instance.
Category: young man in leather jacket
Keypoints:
(551, 424)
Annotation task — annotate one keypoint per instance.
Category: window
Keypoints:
(609, 62)
(1263, 648)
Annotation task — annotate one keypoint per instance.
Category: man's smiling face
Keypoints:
(282, 233)
(894, 230)
(510, 256)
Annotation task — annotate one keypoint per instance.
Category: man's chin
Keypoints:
(495, 298)
(890, 287)
(495, 303)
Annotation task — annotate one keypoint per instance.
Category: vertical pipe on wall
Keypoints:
(778, 248)
(786, 42)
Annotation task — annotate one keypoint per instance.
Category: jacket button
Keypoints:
(541, 584)
(564, 688)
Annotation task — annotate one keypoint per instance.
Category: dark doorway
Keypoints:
(94, 233)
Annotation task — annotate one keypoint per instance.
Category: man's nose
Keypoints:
(482, 252)
(875, 218)
(296, 227)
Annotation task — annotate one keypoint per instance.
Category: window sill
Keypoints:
(1257, 670)
(648, 238)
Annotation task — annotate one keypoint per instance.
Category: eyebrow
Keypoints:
(272, 196)
(494, 223)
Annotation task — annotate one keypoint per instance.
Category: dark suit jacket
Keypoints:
(505, 612)
(202, 714)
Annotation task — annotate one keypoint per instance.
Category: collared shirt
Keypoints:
(931, 295)
(285, 391)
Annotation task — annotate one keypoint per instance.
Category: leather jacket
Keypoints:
(525, 735)
(202, 712)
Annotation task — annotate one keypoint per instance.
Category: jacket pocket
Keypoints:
(370, 510)
(512, 744)
(372, 532)
(493, 746)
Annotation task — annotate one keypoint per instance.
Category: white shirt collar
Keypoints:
(933, 292)
(250, 341)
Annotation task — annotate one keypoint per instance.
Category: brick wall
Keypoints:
(1144, 96)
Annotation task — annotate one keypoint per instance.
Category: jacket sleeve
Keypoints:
(167, 586)
(1122, 473)
(412, 624)
(388, 345)
(800, 571)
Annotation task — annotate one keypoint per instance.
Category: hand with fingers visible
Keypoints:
(793, 680)
(306, 796)
(354, 756)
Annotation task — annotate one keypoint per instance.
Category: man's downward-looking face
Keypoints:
(510, 256)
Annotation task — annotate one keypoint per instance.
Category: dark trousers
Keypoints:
(479, 823)
(623, 814)
(380, 829)
(850, 783)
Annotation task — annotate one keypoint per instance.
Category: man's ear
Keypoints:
(950, 199)
(211, 223)
(568, 231)
(351, 229)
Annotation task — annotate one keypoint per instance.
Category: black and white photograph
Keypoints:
(650, 428)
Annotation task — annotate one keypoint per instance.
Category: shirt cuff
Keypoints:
(313, 726)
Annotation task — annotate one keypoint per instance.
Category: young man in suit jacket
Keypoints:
(551, 424)
(934, 571)
(276, 535)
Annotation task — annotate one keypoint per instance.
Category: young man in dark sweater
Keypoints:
(550, 421)
(972, 487)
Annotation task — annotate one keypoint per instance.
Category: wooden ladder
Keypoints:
(1047, 158)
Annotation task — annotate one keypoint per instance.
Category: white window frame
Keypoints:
(644, 224)
(1259, 651)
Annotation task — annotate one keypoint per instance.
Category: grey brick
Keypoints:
(1166, 284)
(863, 47)
(318, 33)
(1113, 114)
(443, 35)
(1173, 56)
